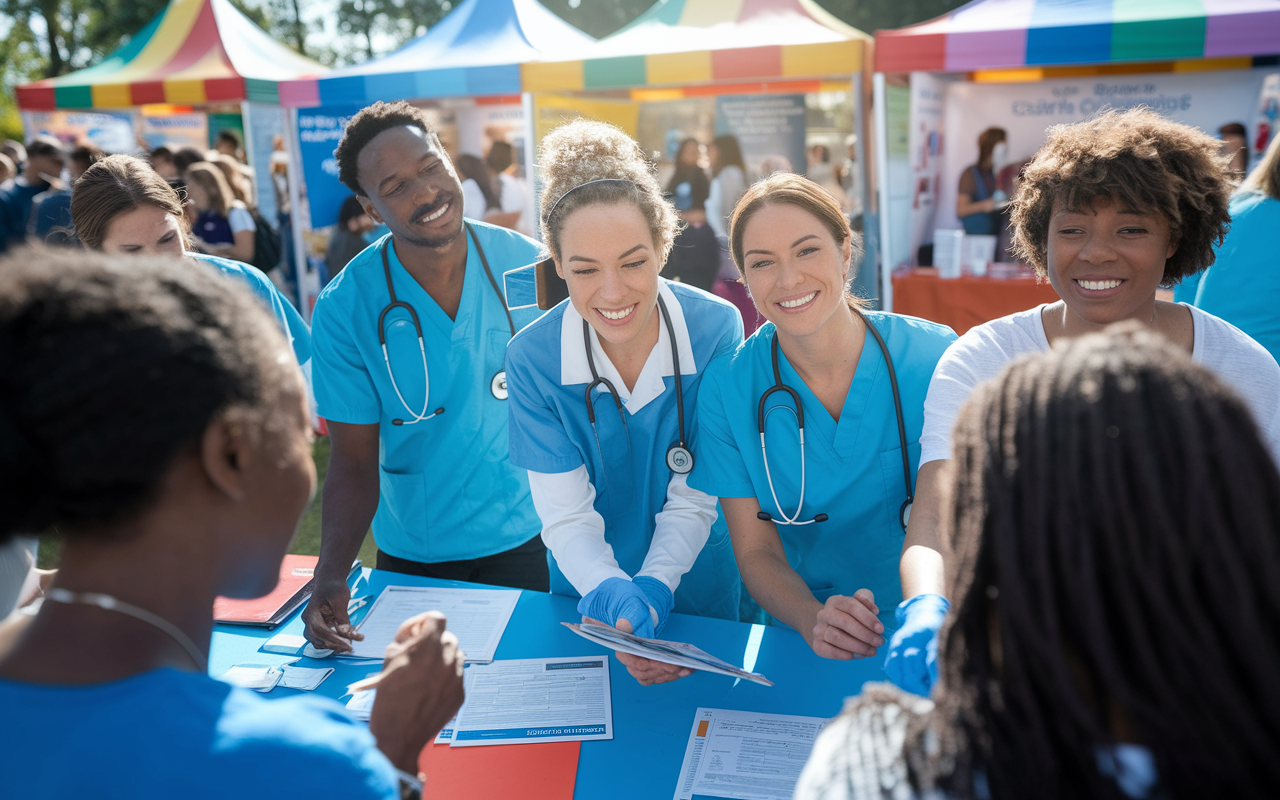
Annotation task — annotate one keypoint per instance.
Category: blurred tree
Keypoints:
(377, 27)
(876, 15)
(598, 17)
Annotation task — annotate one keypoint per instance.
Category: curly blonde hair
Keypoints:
(1139, 159)
(583, 151)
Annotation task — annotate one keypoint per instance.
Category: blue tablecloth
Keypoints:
(650, 724)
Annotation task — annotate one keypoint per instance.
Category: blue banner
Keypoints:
(319, 130)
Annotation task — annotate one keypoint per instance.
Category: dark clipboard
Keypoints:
(551, 287)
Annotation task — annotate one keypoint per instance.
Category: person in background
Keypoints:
(1108, 210)
(121, 205)
(347, 239)
(184, 372)
(728, 182)
(8, 171)
(820, 170)
(1112, 508)
(623, 529)
(688, 170)
(1242, 286)
(51, 211)
(1235, 146)
(227, 142)
(15, 152)
(185, 157)
(44, 164)
(222, 227)
(695, 253)
(162, 161)
(420, 451)
(480, 198)
(851, 182)
(509, 188)
(979, 200)
(241, 187)
(817, 519)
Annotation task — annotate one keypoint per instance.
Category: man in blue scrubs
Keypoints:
(418, 425)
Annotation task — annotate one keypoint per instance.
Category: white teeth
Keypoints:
(799, 301)
(436, 215)
(1099, 285)
(616, 315)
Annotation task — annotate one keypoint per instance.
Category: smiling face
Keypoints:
(610, 263)
(1106, 262)
(410, 185)
(794, 268)
(146, 230)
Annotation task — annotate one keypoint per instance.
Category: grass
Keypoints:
(307, 542)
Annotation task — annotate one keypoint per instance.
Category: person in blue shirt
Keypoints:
(802, 430)
(121, 205)
(1242, 285)
(153, 417)
(603, 397)
(409, 345)
(50, 221)
(43, 167)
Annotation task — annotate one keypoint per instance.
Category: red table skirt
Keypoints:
(964, 302)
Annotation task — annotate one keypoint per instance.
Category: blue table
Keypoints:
(650, 724)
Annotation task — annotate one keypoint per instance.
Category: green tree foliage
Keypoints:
(598, 17)
(878, 15)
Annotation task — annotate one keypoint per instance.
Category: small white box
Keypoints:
(976, 252)
(947, 252)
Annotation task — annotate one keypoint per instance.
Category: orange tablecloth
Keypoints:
(966, 301)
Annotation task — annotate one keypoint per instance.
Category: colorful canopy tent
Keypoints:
(194, 53)
(689, 42)
(998, 51)
(476, 51)
(1004, 34)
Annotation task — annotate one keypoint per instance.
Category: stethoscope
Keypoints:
(904, 512)
(497, 386)
(679, 458)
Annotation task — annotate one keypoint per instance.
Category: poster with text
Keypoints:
(319, 131)
(769, 129)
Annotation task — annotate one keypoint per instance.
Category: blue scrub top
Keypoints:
(1242, 285)
(295, 330)
(853, 470)
(448, 489)
(550, 433)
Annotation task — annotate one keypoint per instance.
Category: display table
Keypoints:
(651, 724)
(964, 302)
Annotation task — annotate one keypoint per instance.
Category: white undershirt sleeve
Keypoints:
(680, 531)
(572, 528)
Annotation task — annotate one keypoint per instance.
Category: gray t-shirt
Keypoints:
(983, 351)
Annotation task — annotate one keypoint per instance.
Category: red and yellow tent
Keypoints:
(195, 52)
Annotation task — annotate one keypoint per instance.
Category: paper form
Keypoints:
(745, 755)
(446, 734)
(536, 700)
(360, 705)
(677, 653)
(476, 616)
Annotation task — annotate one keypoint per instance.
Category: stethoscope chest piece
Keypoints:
(679, 459)
(498, 386)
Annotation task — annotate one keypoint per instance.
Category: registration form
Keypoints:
(476, 616)
(745, 755)
(536, 700)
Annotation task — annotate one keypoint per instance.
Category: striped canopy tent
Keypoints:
(195, 52)
(476, 51)
(1027, 34)
(701, 42)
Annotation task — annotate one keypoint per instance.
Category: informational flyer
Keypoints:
(536, 700)
(476, 616)
(745, 755)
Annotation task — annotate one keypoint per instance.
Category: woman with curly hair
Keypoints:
(1114, 559)
(1108, 211)
(603, 391)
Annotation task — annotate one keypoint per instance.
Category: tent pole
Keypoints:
(882, 192)
(530, 176)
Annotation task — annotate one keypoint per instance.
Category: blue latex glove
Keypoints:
(619, 598)
(660, 600)
(912, 662)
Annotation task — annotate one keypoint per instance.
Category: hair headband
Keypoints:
(560, 199)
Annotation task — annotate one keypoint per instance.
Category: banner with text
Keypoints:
(319, 131)
(769, 129)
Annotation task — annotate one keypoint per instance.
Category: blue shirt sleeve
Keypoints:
(537, 436)
(279, 306)
(718, 467)
(344, 389)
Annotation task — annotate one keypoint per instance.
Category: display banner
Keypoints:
(319, 131)
(263, 122)
(190, 129)
(928, 94)
(112, 132)
(769, 129)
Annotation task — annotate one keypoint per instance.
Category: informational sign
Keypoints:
(928, 93)
(187, 129)
(769, 129)
(265, 123)
(112, 132)
(319, 131)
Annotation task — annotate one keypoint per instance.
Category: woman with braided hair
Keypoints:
(1113, 554)
(1108, 211)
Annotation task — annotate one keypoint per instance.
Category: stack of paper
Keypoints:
(678, 653)
(477, 617)
(536, 700)
(264, 677)
(746, 755)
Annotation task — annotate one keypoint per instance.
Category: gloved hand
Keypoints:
(912, 663)
(619, 598)
(660, 600)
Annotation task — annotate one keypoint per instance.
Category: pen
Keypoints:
(364, 683)
(357, 603)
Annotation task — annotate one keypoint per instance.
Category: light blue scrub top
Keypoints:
(448, 489)
(853, 469)
(295, 330)
(550, 433)
(1242, 285)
